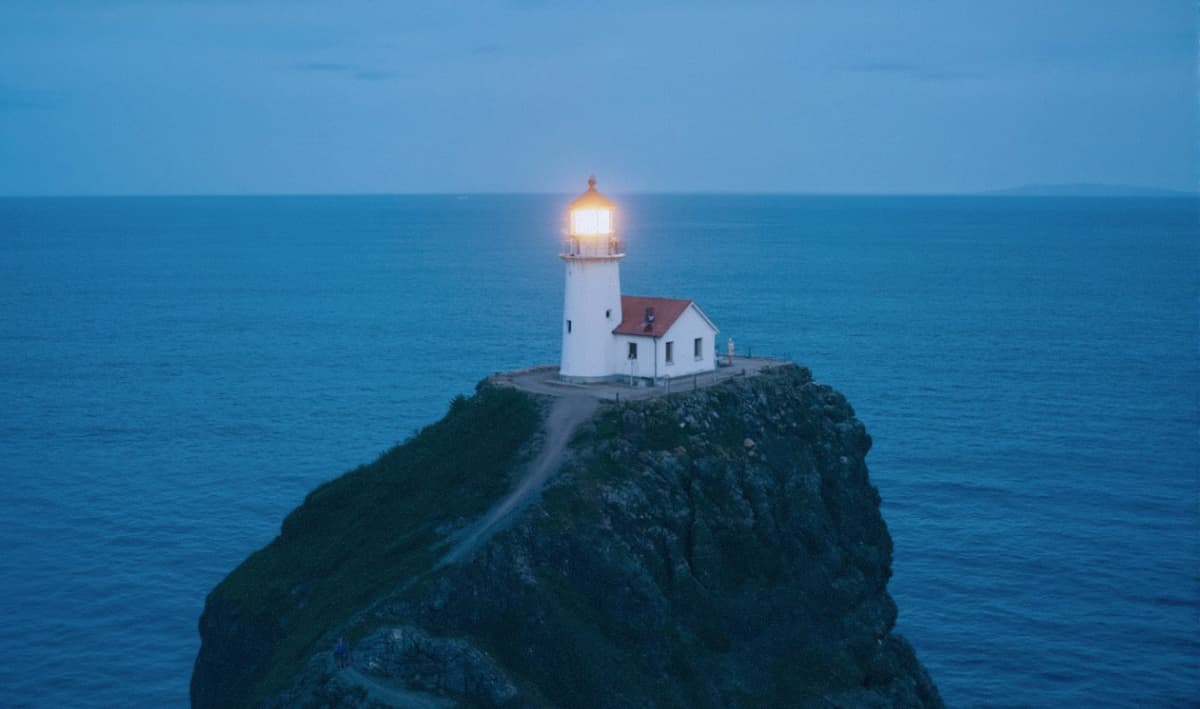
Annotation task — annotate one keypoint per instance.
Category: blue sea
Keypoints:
(176, 374)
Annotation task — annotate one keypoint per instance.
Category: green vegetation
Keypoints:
(654, 425)
(365, 534)
(663, 429)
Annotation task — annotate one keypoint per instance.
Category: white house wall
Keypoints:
(690, 325)
(652, 353)
(643, 367)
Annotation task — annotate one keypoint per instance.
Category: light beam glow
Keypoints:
(591, 222)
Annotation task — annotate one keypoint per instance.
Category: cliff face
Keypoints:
(715, 548)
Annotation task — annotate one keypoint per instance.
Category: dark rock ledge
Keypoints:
(716, 548)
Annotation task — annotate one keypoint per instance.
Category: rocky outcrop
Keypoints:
(717, 548)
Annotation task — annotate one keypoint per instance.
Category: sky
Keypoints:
(273, 96)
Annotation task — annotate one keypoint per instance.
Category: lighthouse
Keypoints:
(607, 335)
(592, 301)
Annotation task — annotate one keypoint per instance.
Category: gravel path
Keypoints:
(391, 696)
(567, 412)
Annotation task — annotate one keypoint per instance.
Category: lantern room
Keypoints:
(592, 213)
(591, 226)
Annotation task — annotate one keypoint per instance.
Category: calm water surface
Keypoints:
(176, 373)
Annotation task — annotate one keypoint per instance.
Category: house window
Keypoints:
(632, 350)
(698, 348)
(568, 326)
(670, 353)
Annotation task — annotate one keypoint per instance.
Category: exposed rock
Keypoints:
(722, 547)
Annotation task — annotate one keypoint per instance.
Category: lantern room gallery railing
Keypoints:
(591, 247)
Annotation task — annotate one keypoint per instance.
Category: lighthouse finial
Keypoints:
(592, 182)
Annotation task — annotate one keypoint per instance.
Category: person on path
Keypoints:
(341, 654)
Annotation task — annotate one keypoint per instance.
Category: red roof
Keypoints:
(635, 309)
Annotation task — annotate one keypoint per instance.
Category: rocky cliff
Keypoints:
(716, 548)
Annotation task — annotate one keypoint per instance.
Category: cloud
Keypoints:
(487, 50)
(882, 68)
(372, 74)
(354, 71)
(912, 71)
(323, 67)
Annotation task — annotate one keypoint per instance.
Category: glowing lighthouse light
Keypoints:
(592, 213)
(591, 227)
(591, 222)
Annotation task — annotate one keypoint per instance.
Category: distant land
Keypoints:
(1086, 189)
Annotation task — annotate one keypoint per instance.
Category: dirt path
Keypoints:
(392, 696)
(565, 415)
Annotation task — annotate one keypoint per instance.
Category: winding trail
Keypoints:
(567, 412)
(392, 696)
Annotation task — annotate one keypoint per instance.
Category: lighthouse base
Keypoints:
(635, 380)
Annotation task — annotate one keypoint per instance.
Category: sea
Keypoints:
(176, 373)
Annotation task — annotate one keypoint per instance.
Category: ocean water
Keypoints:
(176, 373)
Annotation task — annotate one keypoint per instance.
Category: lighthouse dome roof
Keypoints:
(592, 199)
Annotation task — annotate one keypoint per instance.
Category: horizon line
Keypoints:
(1003, 192)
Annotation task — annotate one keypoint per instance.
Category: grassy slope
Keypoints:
(367, 532)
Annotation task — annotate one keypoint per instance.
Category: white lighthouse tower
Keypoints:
(592, 304)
